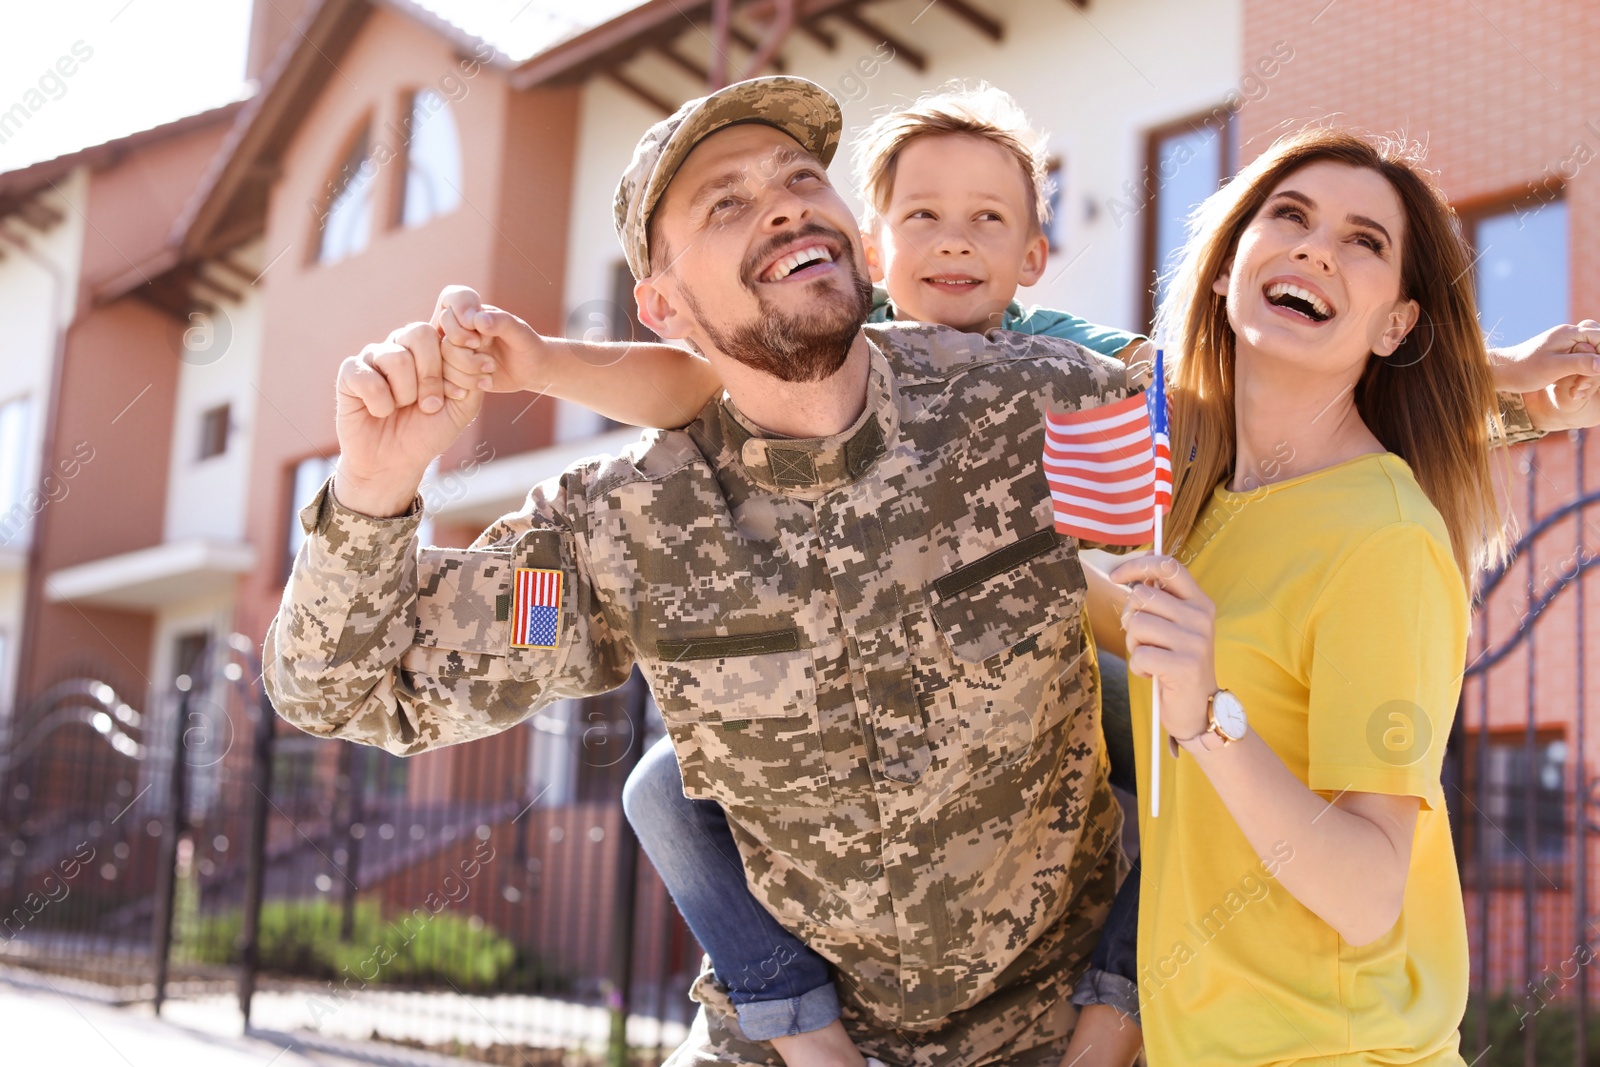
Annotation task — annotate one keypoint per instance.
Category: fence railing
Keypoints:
(1519, 778)
(488, 900)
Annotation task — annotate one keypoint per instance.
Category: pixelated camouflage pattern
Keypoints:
(879, 675)
(1515, 422)
(802, 109)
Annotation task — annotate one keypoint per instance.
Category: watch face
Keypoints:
(1229, 713)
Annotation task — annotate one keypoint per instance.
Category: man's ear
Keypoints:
(869, 241)
(1397, 325)
(1219, 284)
(658, 308)
(1034, 259)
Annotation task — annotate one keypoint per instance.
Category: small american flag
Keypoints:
(1110, 468)
(1110, 476)
(536, 608)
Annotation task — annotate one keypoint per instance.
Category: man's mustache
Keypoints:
(769, 248)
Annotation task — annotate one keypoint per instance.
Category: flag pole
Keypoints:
(1155, 685)
(1155, 714)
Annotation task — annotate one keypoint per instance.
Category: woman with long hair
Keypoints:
(1331, 430)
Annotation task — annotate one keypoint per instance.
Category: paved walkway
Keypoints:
(49, 1021)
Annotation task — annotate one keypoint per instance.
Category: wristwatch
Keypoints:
(1226, 723)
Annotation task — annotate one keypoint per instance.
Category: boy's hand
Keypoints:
(1558, 374)
(485, 348)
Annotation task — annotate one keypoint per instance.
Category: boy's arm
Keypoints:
(632, 382)
(1549, 382)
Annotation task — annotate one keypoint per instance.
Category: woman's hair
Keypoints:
(981, 111)
(1432, 402)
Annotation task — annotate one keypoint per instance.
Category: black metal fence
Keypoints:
(1520, 781)
(490, 900)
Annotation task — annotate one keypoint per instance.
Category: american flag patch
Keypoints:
(535, 608)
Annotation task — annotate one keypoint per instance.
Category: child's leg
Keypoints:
(1108, 1032)
(779, 986)
(1108, 1027)
(1116, 721)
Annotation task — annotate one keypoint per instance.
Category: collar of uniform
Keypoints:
(883, 310)
(809, 467)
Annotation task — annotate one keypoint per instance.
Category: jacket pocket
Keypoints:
(1011, 627)
(462, 613)
(744, 722)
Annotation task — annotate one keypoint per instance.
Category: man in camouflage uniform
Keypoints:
(841, 581)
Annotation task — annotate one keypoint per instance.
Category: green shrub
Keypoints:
(1556, 1027)
(301, 939)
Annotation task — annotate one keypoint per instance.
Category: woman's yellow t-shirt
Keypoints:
(1342, 623)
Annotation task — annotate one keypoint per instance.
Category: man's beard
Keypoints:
(806, 347)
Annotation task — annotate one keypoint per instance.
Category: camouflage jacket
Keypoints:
(869, 648)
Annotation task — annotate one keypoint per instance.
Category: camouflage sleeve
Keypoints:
(1515, 419)
(379, 642)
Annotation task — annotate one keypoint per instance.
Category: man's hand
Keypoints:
(395, 415)
(492, 349)
(1558, 374)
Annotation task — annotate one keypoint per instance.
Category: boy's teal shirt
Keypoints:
(1043, 321)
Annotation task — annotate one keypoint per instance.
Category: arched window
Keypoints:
(347, 220)
(433, 160)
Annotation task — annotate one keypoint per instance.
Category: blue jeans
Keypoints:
(777, 984)
(1111, 978)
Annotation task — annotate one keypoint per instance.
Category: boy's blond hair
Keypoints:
(980, 110)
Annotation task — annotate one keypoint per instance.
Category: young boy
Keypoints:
(956, 194)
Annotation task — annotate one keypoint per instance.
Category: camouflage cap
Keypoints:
(802, 109)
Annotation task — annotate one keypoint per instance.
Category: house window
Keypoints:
(14, 421)
(309, 474)
(433, 161)
(1517, 777)
(214, 431)
(1521, 268)
(1055, 227)
(1185, 162)
(347, 222)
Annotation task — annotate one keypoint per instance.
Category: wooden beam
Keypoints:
(745, 41)
(607, 42)
(38, 214)
(987, 25)
(201, 282)
(717, 62)
(231, 267)
(876, 34)
(700, 75)
(827, 40)
(650, 98)
(777, 31)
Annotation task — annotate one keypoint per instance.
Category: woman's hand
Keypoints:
(1171, 636)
